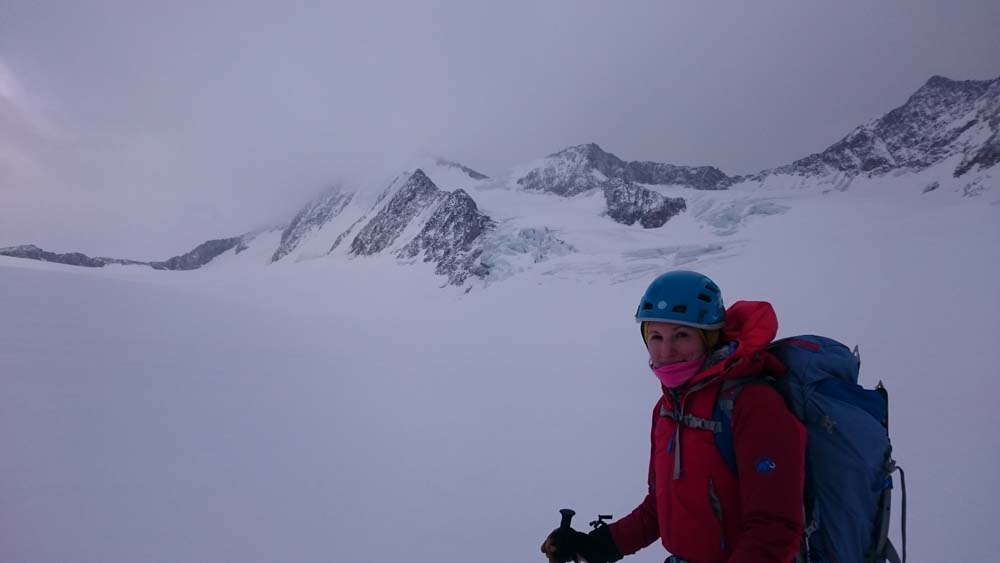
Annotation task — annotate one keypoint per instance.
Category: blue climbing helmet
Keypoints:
(685, 298)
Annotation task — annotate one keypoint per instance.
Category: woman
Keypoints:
(702, 510)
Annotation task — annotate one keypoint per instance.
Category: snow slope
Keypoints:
(320, 413)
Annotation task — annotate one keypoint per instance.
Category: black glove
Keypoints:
(566, 544)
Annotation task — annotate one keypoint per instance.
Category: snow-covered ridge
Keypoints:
(418, 221)
(584, 200)
(452, 238)
(583, 168)
(283, 411)
(313, 216)
(208, 251)
(32, 252)
(942, 119)
(416, 195)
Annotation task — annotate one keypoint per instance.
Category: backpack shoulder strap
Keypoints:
(723, 413)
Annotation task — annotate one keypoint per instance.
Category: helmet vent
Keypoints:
(682, 297)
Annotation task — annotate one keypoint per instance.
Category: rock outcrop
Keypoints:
(33, 252)
(451, 238)
(583, 168)
(629, 204)
(417, 195)
(312, 217)
(942, 119)
(199, 256)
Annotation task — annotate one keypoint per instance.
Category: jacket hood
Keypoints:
(750, 327)
(751, 324)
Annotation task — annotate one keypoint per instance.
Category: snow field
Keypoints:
(356, 411)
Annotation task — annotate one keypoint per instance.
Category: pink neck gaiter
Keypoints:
(677, 374)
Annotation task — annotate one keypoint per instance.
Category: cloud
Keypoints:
(14, 128)
(28, 131)
(170, 123)
(33, 202)
(24, 112)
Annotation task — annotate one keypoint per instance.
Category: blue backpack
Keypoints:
(849, 461)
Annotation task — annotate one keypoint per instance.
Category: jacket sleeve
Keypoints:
(641, 527)
(770, 456)
(638, 529)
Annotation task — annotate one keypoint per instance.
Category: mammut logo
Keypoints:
(828, 424)
(765, 465)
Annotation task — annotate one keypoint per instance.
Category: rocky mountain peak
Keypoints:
(313, 216)
(938, 86)
(944, 122)
(592, 156)
(939, 99)
(936, 81)
(941, 119)
(591, 152)
(451, 238)
(419, 179)
(587, 167)
(414, 196)
(573, 171)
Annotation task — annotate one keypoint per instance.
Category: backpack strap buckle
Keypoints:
(692, 421)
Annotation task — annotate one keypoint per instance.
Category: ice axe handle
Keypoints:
(567, 517)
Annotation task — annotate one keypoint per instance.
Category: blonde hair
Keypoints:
(710, 338)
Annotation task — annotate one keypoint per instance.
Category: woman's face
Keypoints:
(670, 343)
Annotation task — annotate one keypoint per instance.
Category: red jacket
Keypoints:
(708, 513)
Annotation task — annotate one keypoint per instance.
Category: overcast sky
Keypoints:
(139, 129)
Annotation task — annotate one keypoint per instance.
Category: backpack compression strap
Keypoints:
(688, 420)
(721, 426)
(884, 550)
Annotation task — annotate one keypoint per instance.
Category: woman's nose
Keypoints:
(663, 349)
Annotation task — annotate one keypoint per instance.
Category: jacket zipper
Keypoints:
(713, 499)
(678, 408)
